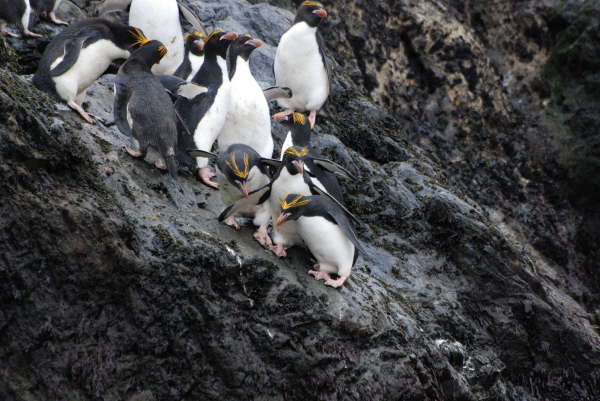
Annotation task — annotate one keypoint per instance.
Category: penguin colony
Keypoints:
(180, 95)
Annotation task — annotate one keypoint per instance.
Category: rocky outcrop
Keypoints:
(478, 282)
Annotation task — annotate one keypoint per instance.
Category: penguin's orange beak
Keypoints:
(199, 44)
(281, 118)
(282, 219)
(255, 43)
(229, 36)
(321, 13)
(245, 189)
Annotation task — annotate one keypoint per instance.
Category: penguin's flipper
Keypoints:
(109, 6)
(255, 197)
(201, 153)
(277, 92)
(316, 190)
(180, 87)
(122, 95)
(340, 217)
(191, 18)
(326, 62)
(332, 167)
(72, 50)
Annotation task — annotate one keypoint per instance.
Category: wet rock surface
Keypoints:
(479, 281)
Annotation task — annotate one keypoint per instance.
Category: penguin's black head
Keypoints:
(135, 38)
(151, 53)
(195, 42)
(244, 45)
(294, 158)
(311, 12)
(218, 41)
(237, 170)
(292, 206)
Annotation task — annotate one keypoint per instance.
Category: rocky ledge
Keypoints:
(480, 280)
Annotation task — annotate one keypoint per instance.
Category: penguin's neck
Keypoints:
(213, 71)
(239, 68)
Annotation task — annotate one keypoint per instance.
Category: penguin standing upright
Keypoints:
(47, 9)
(16, 12)
(193, 56)
(326, 231)
(159, 19)
(241, 170)
(300, 63)
(204, 115)
(143, 109)
(80, 54)
(248, 120)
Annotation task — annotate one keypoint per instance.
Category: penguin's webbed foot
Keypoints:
(87, 117)
(278, 250)
(12, 35)
(160, 164)
(279, 116)
(205, 174)
(262, 236)
(56, 20)
(29, 34)
(336, 283)
(319, 274)
(232, 222)
(133, 153)
(312, 118)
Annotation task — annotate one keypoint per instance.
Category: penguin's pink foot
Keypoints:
(316, 267)
(30, 34)
(205, 174)
(278, 250)
(336, 283)
(56, 20)
(232, 222)
(279, 116)
(262, 236)
(81, 112)
(12, 35)
(160, 164)
(133, 153)
(312, 118)
(319, 275)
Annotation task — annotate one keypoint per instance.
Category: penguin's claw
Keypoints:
(160, 164)
(30, 34)
(12, 35)
(320, 275)
(232, 222)
(81, 112)
(278, 250)
(205, 174)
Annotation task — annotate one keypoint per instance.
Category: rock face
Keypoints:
(480, 279)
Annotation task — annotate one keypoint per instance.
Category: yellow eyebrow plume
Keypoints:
(312, 3)
(299, 118)
(236, 170)
(296, 202)
(292, 151)
(162, 50)
(140, 38)
(213, 33)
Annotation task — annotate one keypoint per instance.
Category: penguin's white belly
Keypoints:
(159, 19)
(299, 66)
(328, 243)
(210, 126)
(248, 120)
(195, 63)
(287, 233)
(93, 60)
(26, 14)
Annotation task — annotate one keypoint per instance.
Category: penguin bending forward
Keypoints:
(204, 115)
(301, 64)
(143, 109)
(248, 120)
(326, 231)
(47, 9)
(80, 54)
(16, 12)
(241, 170)
(299, 130)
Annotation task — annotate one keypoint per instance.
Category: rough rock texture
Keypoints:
(480, 280)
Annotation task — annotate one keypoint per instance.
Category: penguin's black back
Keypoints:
(89, 31)
(42, 5)
(11, 11)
